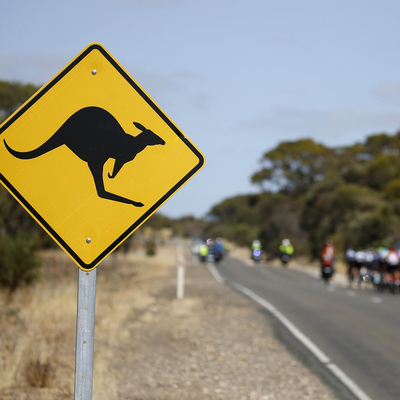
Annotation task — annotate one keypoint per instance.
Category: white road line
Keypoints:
(318, 353)
(357, 391)
(291, 327)
(217, 276)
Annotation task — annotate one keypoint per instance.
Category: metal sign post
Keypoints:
(85, 335)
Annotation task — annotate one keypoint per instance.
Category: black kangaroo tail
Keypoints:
(47, 146)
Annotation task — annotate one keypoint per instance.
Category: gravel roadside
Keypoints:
(213, 344)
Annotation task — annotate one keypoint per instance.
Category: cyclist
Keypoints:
(393, 263)
(351, 262)
(327, 257)
(203, 252)
(286, 249)
(256, 250)
(219, 249)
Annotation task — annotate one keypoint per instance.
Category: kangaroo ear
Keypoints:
(139, 126)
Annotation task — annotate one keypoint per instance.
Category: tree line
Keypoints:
(311, 193)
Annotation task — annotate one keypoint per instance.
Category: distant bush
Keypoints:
(18, 261)
(150, 247)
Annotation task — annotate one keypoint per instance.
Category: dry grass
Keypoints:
(38, 324)
(36, 333)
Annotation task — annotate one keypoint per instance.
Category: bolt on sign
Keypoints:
(91, 156)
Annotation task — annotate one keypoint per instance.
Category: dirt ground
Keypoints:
(212, 344)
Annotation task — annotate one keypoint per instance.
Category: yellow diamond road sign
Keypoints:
(91, 156)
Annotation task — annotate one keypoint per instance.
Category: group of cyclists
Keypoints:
(380, 267)
(286, 250)
(327, 257)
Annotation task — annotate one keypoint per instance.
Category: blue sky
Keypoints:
(237, 76)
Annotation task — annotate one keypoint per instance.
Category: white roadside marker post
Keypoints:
(85, 335)
(180, 291)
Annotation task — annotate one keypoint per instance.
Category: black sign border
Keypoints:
(120, 239)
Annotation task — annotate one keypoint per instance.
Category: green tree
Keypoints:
(392, 190)
(278, 218)
(382, 144)
(293, 167)
(381, 170)
(12, 96)
(234, 219)
(18, 262)
(351, 215)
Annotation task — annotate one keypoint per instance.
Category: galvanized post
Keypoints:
(85, 335)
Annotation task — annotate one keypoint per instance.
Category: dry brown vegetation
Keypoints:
(213, 344)
(38, 323)
(37, 330)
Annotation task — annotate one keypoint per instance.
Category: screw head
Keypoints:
(88, 240)
(94, 72)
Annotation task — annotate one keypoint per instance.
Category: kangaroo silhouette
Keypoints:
(94, 135)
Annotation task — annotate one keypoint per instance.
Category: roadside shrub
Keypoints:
(150, 247)
(38, 374)
(18, 261)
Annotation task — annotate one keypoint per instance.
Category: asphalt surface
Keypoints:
(359, 330)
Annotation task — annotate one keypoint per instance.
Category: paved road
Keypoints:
(359, 330)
